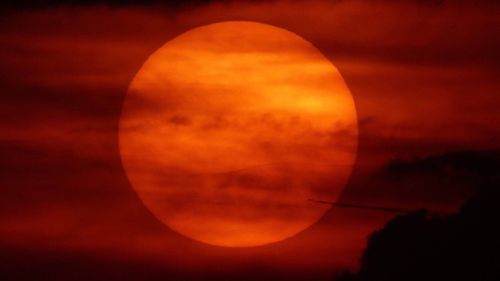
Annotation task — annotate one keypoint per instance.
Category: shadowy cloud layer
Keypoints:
(424, 75)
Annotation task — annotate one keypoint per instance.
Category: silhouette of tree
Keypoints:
(420, 246)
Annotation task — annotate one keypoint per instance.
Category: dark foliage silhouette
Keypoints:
(422, 246)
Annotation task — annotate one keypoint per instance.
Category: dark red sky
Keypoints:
(424, 76)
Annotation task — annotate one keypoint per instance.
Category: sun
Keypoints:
(228, 129)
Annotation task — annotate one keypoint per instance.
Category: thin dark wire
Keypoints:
(375, 208)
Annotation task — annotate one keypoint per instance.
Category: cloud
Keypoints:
(439, 182)
(424, 77)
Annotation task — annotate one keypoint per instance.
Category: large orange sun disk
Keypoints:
(228, 129)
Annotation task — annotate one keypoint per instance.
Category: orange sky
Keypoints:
(424, 78)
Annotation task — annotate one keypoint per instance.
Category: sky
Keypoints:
(423, 76)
